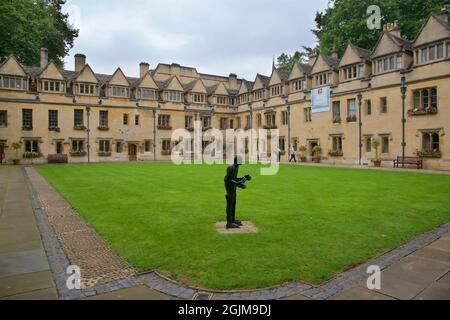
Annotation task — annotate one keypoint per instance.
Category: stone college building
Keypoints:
(338, 103)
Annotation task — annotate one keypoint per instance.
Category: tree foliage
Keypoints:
(287, 61)
(346, 20)
(26, 26)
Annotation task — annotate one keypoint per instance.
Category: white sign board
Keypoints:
(320, 100)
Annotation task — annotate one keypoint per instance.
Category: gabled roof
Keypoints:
(246, 86)
(50, 64)
(438, 19)
(264, 79)
(299, 70)
(139, 82)
(332, 62)
(363, 53)
(16, 61)
(119, 72)
(401, 43)
(72, 75)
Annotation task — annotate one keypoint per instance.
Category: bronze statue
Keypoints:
(231, 183)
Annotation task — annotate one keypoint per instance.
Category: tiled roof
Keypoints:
(363, 53)
(283, 73)
(400, 41)
(332, 62)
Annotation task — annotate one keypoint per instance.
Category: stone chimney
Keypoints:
(443, 15)
(44, 57)
(80, 62)
(232, 80)
(144, 68)
(393, 29)
(312, 58)
(334, 53)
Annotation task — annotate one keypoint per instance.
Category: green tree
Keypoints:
(28, 25)
(346, 20)
(287, 61)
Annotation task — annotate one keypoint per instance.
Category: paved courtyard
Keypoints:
(41, 235)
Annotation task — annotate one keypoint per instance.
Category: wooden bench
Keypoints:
(58, 158)
(417, 161)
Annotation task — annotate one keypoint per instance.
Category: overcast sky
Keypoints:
(214, 36)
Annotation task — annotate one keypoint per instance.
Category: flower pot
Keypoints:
(377, 164)
(316, 159)
(302, 159)
(16, 162)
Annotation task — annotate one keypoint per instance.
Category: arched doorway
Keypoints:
(132, 152)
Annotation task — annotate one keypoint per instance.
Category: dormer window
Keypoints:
(298, 85)
(352, 72)
(389, 63)
(52, 86)
(244, 98)
(259, 95)
(429, 53)
(172, 96)
(13, 83)
(147, 94)
(198, 98)
(322, 79)
(120, 92)
(87, 89)
(276, 91)
(222, 100)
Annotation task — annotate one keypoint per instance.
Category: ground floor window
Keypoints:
(206, 122)
(32, 146)
(385, 144)
(3, 118)
(136, 120)
(119, 146)
(77, 145)
(78, 117)
(430, 142)
(223, 123)
(125, 119)
(148, 146)
(259, 120)
(282, 144)
(368, 141)
(166, 146)
(188, 122)
(337, 143)
(104, 145)
(369, 107)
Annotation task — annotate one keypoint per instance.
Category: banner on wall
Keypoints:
(320, 100)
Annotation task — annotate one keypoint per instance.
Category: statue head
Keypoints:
(238, 161)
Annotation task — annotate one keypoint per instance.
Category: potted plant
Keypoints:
(16, 146)
(317, 153)
(303, 150)
(376, 145)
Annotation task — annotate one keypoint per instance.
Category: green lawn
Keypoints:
(314, 222)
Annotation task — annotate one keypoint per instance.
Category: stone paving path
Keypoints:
(24, 269)
(418, 270)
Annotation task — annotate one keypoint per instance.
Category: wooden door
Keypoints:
(132, 152)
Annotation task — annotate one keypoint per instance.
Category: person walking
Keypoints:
(277, 151)
(292, 156)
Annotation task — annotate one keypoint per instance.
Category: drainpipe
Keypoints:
(289, 126)
(403, 90)
(88, 130)
(154, 134)
(360, 127)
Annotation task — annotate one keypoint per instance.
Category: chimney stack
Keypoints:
(312, 59)
(144, 68)
(334, 53)
(44, 57)
(393, 29)
(80, 62)
(443, 15)
(232, 80)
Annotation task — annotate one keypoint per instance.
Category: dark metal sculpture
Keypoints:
(232, 182)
